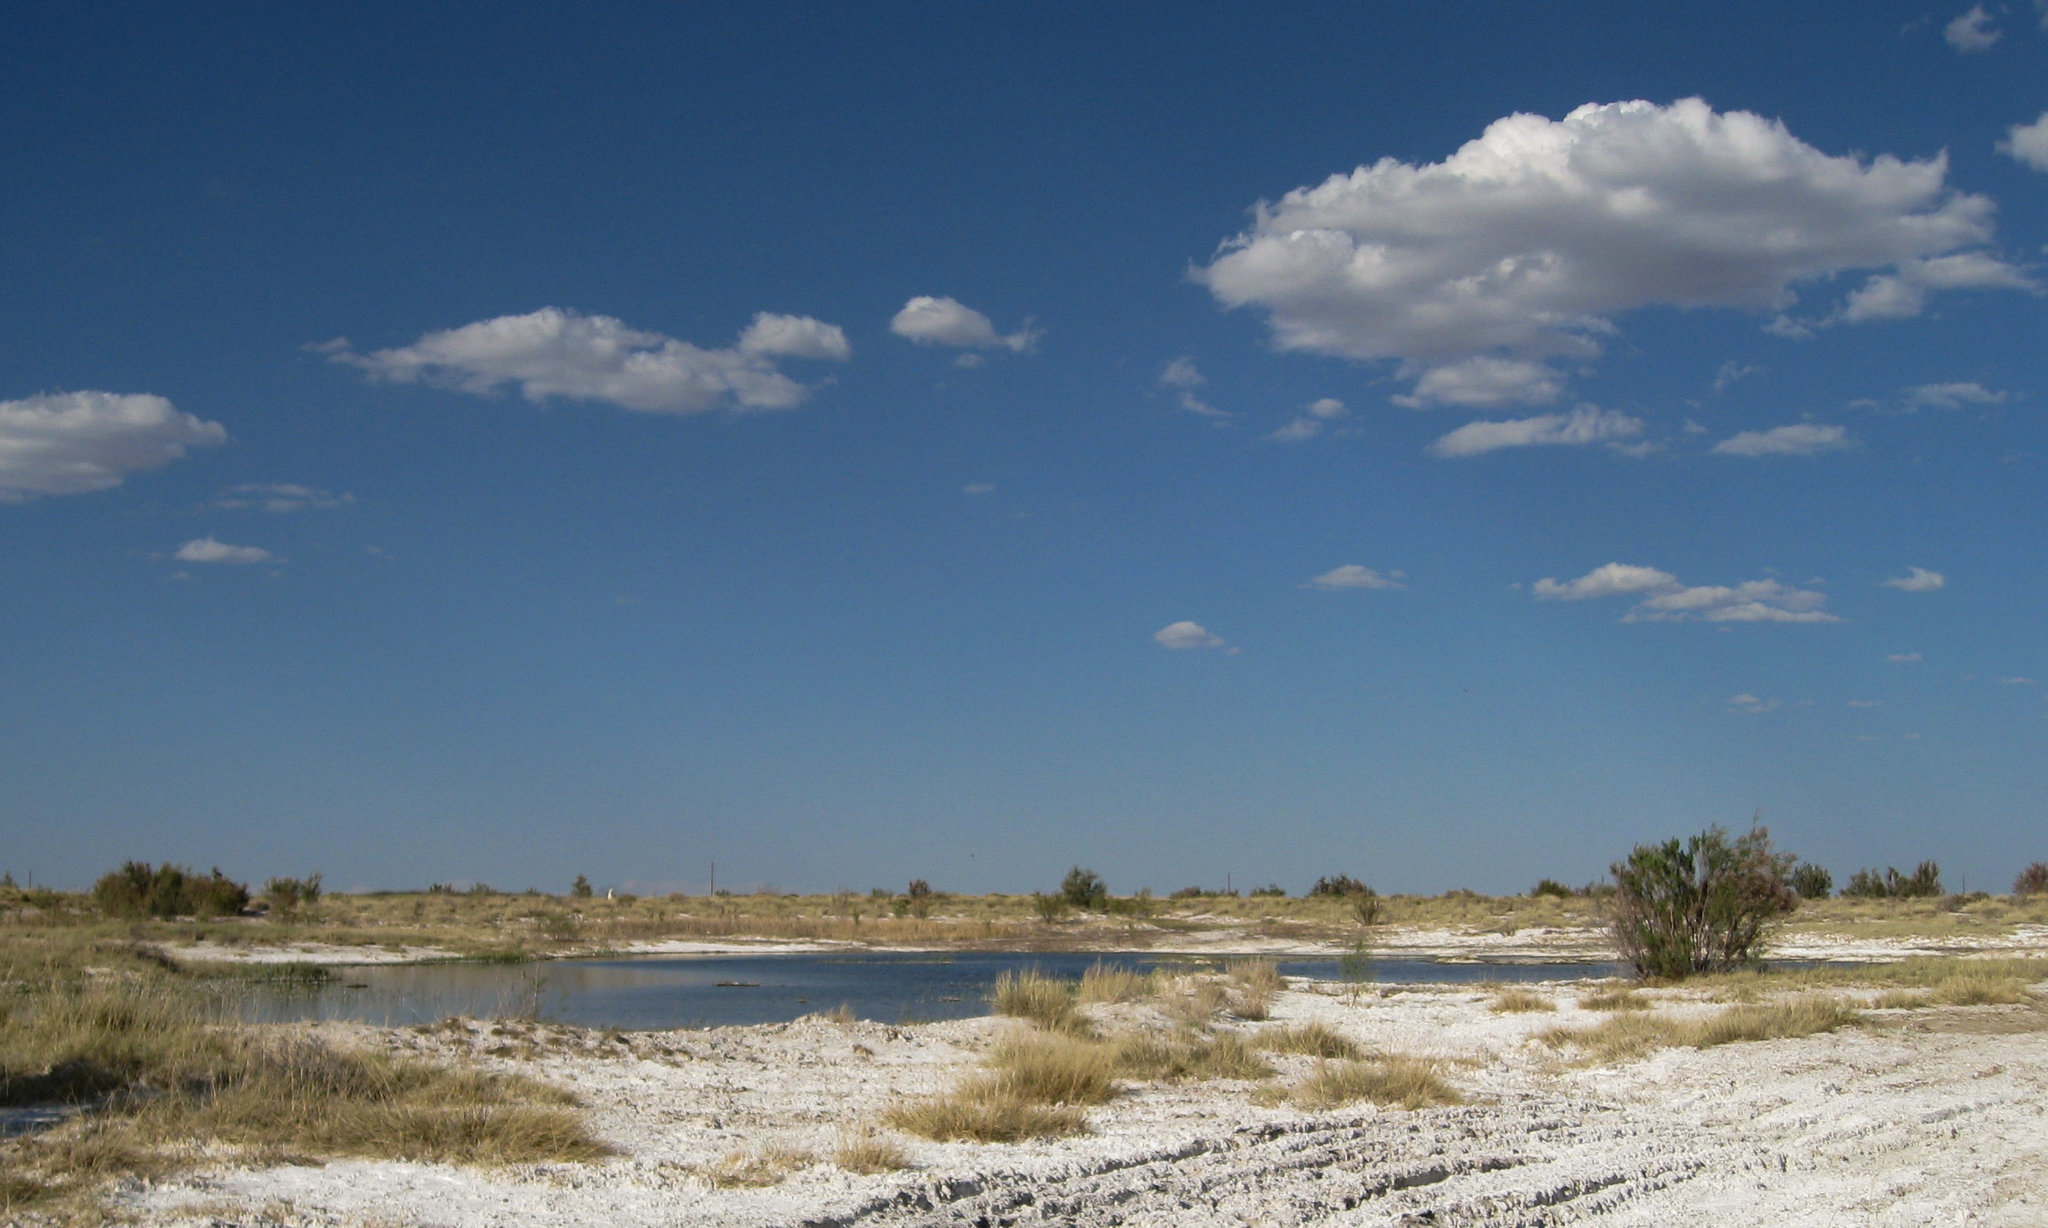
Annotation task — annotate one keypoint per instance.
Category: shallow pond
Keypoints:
(717, 990)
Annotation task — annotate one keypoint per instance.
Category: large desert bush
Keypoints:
(1700, 904)
(139, 889)
(2032, 881)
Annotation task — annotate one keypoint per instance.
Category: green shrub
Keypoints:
(139, 889)
(1923, 883)
(1271, 891)
(580, 889)
(1551, 886)
(1084, 889)
(1810, 881)
(1336, 888)
(1049, 908)
(1698, 905)
(2032, 881)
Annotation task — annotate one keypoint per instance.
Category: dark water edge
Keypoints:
(662, 992)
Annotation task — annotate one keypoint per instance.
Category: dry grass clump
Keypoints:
(1976, 989)
(1188, 1055)
(1629, 1036)
(1903, 1000)
(1045, 1000)
(1254, 983)
(160, 1073)
(1410, 1082)
(1193, 1001)
(1312, 1039)
(867, 1152)
(754, 1169)
(979, 1111)
(1615, 999)
(1520, 1001)
(1049, 1068)
(1106, 983)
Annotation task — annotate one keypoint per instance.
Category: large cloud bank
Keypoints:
(557, 353)
(1475, 273)
(72, 443)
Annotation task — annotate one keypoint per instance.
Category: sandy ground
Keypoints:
(1920, 1117)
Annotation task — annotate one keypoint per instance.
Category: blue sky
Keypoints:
(1444, 444)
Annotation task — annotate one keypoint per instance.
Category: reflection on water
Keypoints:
(712, 991)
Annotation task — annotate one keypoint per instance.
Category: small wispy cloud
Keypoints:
(1917, 580)
(1351, 576)
(1308, 425)
(209, 550)
(279, 497)
(1799, 439)
(1750, 704)
(1583, 426)
(1865, 703)
(1184, 377)
(1904, 658)
(1950, 396)
(979, 488)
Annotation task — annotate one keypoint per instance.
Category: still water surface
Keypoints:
(713, 991)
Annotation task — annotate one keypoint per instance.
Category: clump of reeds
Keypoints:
(1313, 1039)
(1409, 1082)
(1515, 1000)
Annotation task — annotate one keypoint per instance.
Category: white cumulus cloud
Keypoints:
(70, 443)
(1473, 273)
(948, 321)
(1351, 575)
(781, 336)
(1186, 635)
(1973, 31)
(1662, 598)
(1800, 439)
(1917, 580)
(1582, 426)
(207, 550)
(2028, 143)
(557, 353)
